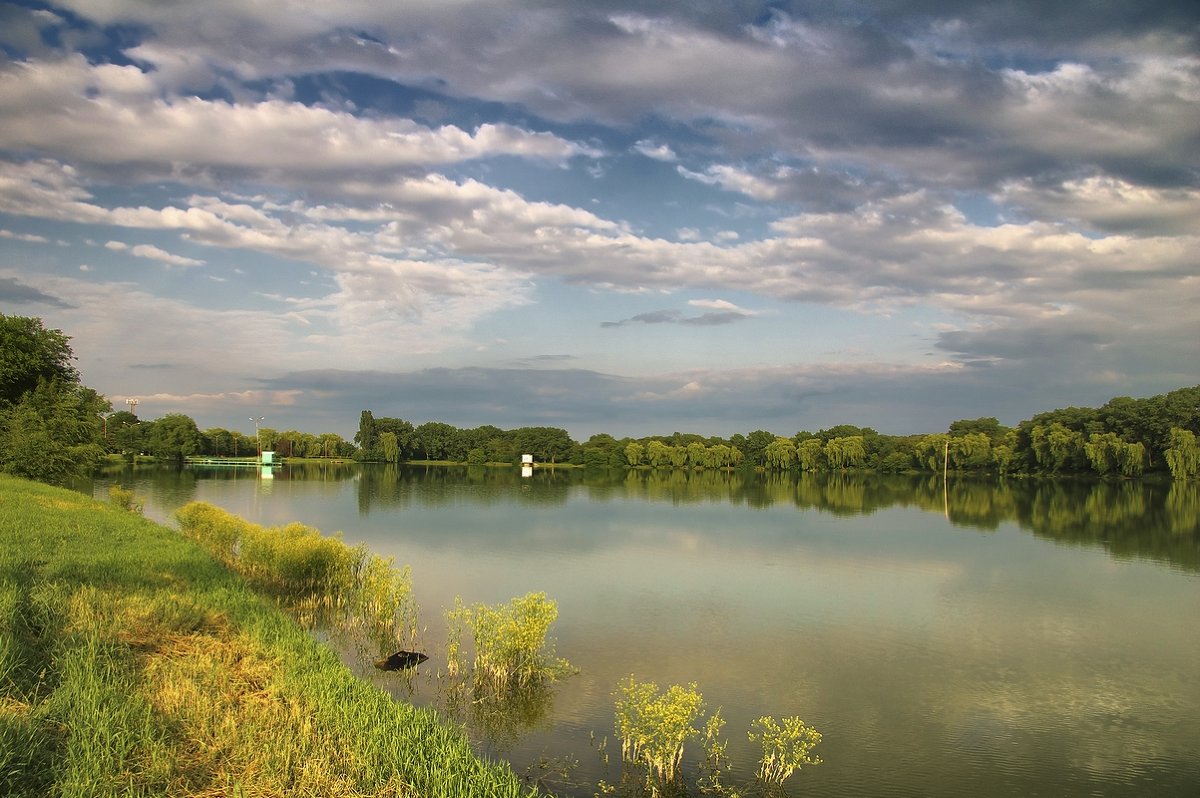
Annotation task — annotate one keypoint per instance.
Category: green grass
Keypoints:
(134, 663)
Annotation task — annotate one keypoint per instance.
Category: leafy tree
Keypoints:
(173, 437)
(53, 433)
(756, 446)
(845, 452)
(366, 438)
(989, 427)
(547, 444)
(437, 440)
(1056, 446)
(971, 450)
(30, 354)
(781, 453)
(810, 454)
(633, 453)
(389, 447)
(1183, 456)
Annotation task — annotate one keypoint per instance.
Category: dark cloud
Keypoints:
(711, 319)
(16, 292)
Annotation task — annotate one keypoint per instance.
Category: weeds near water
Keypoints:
(654, 726)
(512, 650)
(786, 747)
(124, 499)
(319, 577)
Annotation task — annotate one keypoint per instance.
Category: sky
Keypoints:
(614, 216)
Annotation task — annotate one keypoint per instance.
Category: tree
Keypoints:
(781, 453)
(756, 446)
(30, 354)
(809, 454)
(366, 438)
(173, 437)
(51, 426)
(845, 452)
(389, 447)
(53, 433)
(1183, 456)
(633, 453)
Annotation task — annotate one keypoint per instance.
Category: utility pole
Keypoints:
(257, 440)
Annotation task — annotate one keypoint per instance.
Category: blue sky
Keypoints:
(619, 217)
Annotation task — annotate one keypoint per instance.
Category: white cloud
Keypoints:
(152, 252)
(112, 115)
(28, 238)
(655, 150)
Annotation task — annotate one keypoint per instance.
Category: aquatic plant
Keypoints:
(786, 747)
(317, 576)
(124, 499)
(511, 647)
(653, 727)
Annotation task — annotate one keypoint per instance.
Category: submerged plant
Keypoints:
(786, 747)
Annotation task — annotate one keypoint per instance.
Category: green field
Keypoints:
(133, 663)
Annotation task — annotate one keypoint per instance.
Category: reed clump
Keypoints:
(655, 725)
(512, 649)
(787, 746)
(125, 499)
(318, 576)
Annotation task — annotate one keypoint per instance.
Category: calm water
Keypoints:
(991, 639)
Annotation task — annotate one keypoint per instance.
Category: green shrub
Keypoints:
(786, 747)
(511, 648)
(124, 498)
(653, 727)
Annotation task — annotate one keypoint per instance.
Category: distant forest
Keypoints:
(52, 427)
(1124, 438)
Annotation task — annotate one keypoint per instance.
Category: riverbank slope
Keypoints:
(132, 663)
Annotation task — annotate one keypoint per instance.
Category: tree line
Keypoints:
(52, 428)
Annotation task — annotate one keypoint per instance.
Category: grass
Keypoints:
(134, 663)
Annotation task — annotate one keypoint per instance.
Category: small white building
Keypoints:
(526, 459)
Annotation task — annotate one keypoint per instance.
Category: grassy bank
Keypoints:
(133, 663)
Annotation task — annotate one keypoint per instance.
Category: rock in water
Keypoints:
(401, 660)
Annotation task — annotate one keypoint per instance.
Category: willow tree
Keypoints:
(1183, 453)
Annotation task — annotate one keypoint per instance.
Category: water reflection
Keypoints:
(1148, 519)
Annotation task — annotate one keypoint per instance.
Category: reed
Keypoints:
(512, 649)
(654, 726)
(319, 577)
(786, 747)
(132, 663)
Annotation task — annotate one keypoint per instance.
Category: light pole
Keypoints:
(257, 440)
(133, 403)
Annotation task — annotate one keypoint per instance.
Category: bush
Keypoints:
(511, 648)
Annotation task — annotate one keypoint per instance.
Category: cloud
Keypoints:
(720, 312)
(14, 291)
(28, 238)
(108, 115)
(656, 151)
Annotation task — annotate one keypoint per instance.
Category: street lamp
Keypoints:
(257, 440)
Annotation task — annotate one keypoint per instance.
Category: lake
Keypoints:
(981, 638)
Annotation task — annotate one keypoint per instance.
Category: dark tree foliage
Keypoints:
(30, 353)
(51, 427)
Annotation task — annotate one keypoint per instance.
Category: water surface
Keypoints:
(977, 638)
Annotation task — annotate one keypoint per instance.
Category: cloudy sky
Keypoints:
(612, 216)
